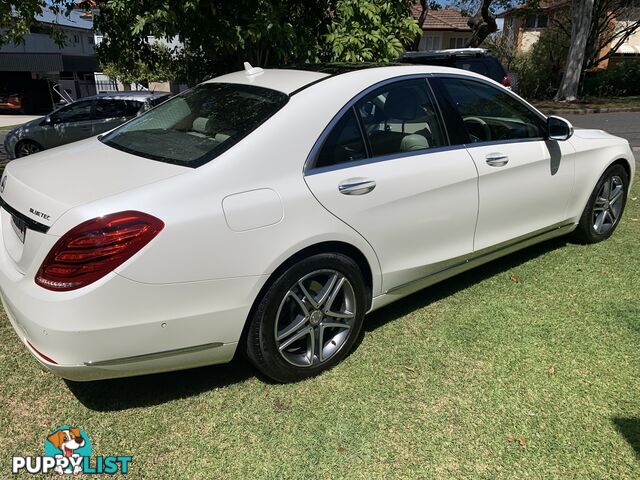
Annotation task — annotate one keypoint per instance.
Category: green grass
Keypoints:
(481, 376)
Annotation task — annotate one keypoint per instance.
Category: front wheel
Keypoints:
(604, 210)
(27, 147)
(308, 319)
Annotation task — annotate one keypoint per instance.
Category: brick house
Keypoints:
(522, 29)
(443, 29)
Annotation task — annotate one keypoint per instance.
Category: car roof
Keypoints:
(292, 79)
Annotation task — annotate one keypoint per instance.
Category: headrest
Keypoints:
(401, 104)
(413, 142)
(201, 125)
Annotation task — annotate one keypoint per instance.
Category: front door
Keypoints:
(525, 181)
(386, 170)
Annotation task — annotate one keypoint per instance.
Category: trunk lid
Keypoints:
(37, 190)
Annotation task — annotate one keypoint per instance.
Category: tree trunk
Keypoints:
(423, 17)
(482, 24)
(581, 12)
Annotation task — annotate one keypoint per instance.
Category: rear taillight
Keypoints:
(506, 81)
(94, 248)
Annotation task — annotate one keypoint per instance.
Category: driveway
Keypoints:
(8, 120)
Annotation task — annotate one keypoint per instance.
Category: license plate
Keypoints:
(19, 226)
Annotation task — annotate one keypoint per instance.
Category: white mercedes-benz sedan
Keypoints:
(267, 211)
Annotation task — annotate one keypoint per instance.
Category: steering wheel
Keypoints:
(485, 128)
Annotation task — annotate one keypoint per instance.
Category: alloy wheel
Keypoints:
(608, 205)
(27, 148)
(315, 318)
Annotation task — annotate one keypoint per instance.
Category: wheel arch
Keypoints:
(331, 246)
(624, 163)
(28, 140)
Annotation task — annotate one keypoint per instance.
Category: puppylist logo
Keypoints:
(67, 450)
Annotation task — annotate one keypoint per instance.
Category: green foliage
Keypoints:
(17, 19)
(540, 69)
(373, 30)
(617, 81)
(216, 37)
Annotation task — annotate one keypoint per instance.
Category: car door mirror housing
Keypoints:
(559, 129)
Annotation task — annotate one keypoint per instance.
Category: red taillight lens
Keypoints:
(506, 81)
(94, 248)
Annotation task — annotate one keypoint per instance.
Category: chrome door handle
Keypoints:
(356, 186)
(497, 160)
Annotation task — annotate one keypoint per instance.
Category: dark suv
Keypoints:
(474, 59)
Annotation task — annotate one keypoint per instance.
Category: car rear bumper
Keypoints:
(118, 327)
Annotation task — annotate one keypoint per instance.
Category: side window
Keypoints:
(344, 143)
(401, 117)
(490, 114)
(76, 112)
(111, 108)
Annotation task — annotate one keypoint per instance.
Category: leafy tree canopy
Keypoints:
(18, 18)
(217, 36)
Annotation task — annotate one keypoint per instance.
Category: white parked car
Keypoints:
(268, 211)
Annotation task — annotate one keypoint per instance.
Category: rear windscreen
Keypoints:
(197, 126)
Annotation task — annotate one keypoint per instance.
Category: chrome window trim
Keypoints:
(309, 164)
(382, 158)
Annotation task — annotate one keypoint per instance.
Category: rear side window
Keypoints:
(473, 66)
(401, 117)
(344, 143)
(193, 128)
(397, 118)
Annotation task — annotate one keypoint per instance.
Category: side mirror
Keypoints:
(559, 129)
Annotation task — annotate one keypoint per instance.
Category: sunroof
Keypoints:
(337, 68)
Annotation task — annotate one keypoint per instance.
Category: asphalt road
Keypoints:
(626, 125)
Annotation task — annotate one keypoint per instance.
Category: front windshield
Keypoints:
(197, 126)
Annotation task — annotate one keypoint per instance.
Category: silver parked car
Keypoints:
(82, 119)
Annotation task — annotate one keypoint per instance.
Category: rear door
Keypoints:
(70, 124)
(384, 167)
(109, 113)
(525, 181)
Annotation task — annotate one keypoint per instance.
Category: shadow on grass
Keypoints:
(143, 391)
(121, 394)
(629, 428)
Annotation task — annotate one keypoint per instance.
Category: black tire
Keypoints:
(587, 231)
(262, 345)
(27, 147)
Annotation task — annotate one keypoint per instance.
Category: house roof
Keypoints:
(75, 19)
(445, 19)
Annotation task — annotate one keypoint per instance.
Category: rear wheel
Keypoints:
(604, 210)
(27, 147)
(308, 319)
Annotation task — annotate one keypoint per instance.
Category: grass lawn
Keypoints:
(590, 103)
(525, 368)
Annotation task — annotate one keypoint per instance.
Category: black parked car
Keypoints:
(477, 60)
